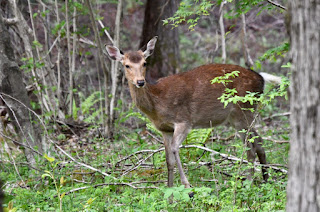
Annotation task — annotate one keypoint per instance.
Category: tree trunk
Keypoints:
(165, 60)
(303, 191)
(14, 95)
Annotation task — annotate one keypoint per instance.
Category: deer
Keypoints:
(178, 103)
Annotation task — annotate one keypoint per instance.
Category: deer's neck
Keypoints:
(143, 98)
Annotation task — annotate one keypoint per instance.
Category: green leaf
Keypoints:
(62, 181)
(45, 175)
(50, 159)
(288, 65)
(168, 192)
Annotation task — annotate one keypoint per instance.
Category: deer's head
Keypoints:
(134, 62)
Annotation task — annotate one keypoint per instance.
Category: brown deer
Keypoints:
(178, 103)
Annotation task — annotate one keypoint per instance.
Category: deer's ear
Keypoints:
(114, 53)
(150, 47)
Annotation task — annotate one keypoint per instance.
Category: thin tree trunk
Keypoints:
(58, 56)
(115, 65)
(223, 34)
(43, 73)
(69, 58)
(165, 60)
(103, 66)
(73, 59)
(303, 190)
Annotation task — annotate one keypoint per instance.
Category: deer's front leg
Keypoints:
(167, 137)
(180, 133)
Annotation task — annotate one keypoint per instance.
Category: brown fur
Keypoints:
(190, 96)
(135, 57)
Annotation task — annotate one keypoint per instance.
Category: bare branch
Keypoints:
(143, 160)
(277, 4)
(247, 56)
(277, 115)
(108, 184)
(225, 156)
(80, 163)
(106, 32)
(233, 158)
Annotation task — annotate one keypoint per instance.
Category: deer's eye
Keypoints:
(144, 64)
(127, 66)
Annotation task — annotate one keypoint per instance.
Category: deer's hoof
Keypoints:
(191, 194)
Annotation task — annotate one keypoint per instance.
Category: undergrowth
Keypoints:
(217, 184)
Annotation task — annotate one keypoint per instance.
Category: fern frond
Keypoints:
(87, 104)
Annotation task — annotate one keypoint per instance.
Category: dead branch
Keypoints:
(143, 160)
(20, 144)
(233, 158)
(134, 154)
(106, 31)
(80, 163)
(225, 156)
(277, 115)
(277, 4)
(275, 141)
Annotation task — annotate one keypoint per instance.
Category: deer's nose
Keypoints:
(140, 83)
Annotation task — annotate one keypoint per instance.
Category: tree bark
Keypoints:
(165, 60)
(14, 95)
(303, 191)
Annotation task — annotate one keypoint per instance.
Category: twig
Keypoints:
(87, 41)
(277, 4)
(155, 137)
(105, 31)
(108, 184)
(141, 161)
(80, 163)
(135, 153)
(233, 158)
(275, 141)
(20, 144)
(277, 115)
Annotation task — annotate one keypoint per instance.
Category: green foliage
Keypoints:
(190, 11)
(90, 101)
(225, 78)
(29, 64)
(230, 95)
(179, 193)
(88, 107)
(272, 54)
(187, 9)
(51, 175)
(221, 193)
(244, 6)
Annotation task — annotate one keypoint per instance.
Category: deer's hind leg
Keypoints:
(242, 120)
